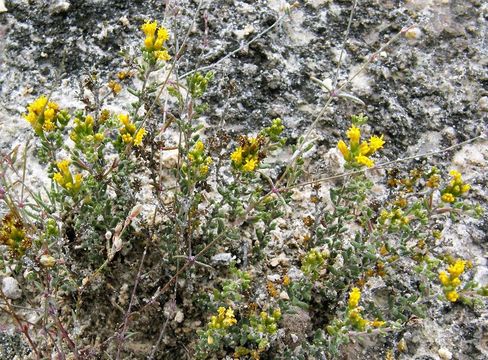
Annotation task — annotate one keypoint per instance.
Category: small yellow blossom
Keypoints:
(210, 340)
(286, 280)
(376, 142)
(162, 55)
(456, 175)
(354, 134)
(364, 148)
(139, 136)
(49, 114)
(354, 297)
(452, 296)
(63, 166)
(457, 268)
(364, 160)
(127, 138)
(223, 320)
(236, 156)
(149, 28)
(199, 146)
(115, 86)
(163, 34)
(58, 177)
(448, 197)
(250, 164)
(341, 145)
(124, 119)
(444, 278)
(377, 323)
(48, 125)
(433, 181)
(148, 42)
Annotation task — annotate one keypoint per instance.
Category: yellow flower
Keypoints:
(236, 156)
(364, 160)
(250, 164)
(341, 145)
(163, 34)
(210, 340)
(48, 125)
(376, 143)
(78, 179)
(221, 311)
(448, 197)
(456, 175)
(124, 119)
(163, 55)
(433, 181)
(127, 138)
(63, 166)
(148, 42)
(114, 86)
(455, 282)
(31, 117)
(465, 188)
(452, 296)
(364, 148)
(286, 280)
(49, 114)
(58, 177)
(457, 268)
(203, 170)
(199, 146)
(149, 28)
(377, 323)
(354, 134)
(139, 136)
(99, 137)
(444, 278)
(38, 105)
(354, 297)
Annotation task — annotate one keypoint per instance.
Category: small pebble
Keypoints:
(2, 6)
(483, 104)
(10, 288)
(179, 317)
(444, 354)
(222, 258)
(59, 7)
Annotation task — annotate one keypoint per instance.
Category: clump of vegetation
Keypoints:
(150, 195)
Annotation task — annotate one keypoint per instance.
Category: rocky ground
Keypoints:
(425, 92)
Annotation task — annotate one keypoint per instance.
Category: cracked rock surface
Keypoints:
(427, 91)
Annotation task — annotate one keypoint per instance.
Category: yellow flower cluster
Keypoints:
(354, 312)
(83, 131)
(65, 178)
(13, 235)
(358, 153)
(354, 297)
(114, 86)
(198, 160)
(155, 40)
(393, 218)
(455, 189)
(128, 131)
(247, 156)
(451, 282)
(43, 115)
(224, 319)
